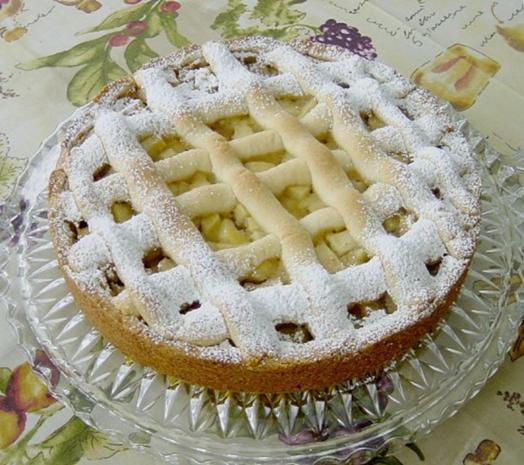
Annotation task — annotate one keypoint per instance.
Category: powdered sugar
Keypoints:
(314, 297)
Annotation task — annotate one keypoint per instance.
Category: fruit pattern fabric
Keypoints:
(458, 75)
(26, 406)
(67, 50)
(485, 454)
(133, 28)
(14, 27)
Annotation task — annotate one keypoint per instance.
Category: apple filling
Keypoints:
(335, 249)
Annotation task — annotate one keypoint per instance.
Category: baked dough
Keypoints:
(264, 217)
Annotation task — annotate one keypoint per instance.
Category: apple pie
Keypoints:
(263, 216)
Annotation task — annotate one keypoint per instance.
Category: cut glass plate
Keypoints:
(347, 423)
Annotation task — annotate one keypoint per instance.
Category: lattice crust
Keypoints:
(263, 200)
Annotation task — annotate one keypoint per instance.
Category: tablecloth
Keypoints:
(57, 54)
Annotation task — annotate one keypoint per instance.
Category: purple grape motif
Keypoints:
(335, 33)
(363, 456)
(18, 222)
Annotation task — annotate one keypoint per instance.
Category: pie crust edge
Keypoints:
(190, 362)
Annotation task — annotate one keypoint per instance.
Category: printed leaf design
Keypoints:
(140, 437)
(277, 12)
(122, 17)
(416, 449)
(130, 28)
(37, 460)
(227, 21)
(5, 374)
(138, 53)
(171, 31)
(78, 55)
(153, 24)
(87, 82)
(277, 19)
(65, 445)
(10, 168)
(282, 34)
(97, 446)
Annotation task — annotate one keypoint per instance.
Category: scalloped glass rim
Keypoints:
(433, 403)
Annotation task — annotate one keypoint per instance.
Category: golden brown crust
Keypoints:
(185, 362)
(269, 377)
(315, 374)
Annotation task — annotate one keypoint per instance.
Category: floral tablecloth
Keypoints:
(57, 54)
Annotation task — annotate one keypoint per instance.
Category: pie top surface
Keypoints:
(254, 200)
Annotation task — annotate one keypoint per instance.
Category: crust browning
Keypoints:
(267, 377)
(190, 362)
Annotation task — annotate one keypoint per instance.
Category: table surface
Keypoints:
(57, 54)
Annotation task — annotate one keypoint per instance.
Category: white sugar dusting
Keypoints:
(438, 184)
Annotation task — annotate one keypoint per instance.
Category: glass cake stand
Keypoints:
(187, 424)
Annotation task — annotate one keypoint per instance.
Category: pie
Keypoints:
(264, 217)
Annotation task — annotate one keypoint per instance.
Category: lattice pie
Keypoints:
(264, 217)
